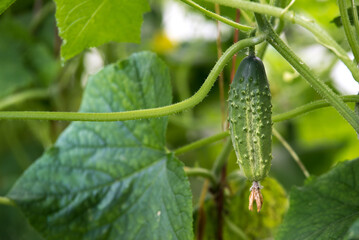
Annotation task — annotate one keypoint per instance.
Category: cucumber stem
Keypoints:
(251, 49)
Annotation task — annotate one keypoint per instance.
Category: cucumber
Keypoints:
(250, 122)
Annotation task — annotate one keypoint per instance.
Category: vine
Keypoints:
(349, 31)
(217, 16)
(304, 70)
(276, 118)
(201, 172)
(291, 152)
(355, 19)
(143, 113)
(321, 35)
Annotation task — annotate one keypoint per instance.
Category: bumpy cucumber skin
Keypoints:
(250, 118)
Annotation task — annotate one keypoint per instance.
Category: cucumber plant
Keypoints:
(116, 173)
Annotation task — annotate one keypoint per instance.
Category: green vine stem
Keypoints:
(202, 142)
(24, 96)
(355, 19)
(217, 17)
(291, 152)
(143, 113)
(221, 75)
(247, 18)
(262, 48)
(305, 71)
(200, 172)
(7, 201)
(276, 118)
(321, 35)
(310, 107)
(252, 49)
(349, 31)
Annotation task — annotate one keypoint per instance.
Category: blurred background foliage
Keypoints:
(30, 64)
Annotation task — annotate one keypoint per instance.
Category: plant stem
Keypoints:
(184, 92)
(235, 39)
(317, 84)
(310, 107)
(276, 118)
(247, 18)
(349, 31)
(291, 152)
(219, 170)
(220, 199)
(355, 19)
(143, 113)
(305, 71)
(221, 78)
(289, 6)
(24, 96)
(200, 143)
(262, 48)
(217, 16)
(200, 172)
(321, 36)
(252, 49)
(7, 201)
(201, 223)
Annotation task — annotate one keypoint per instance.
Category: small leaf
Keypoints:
(112, 180)
(324, 208)
(84, 24)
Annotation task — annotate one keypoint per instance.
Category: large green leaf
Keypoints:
(4, 4)
(84, 24)
(324, 208)
(112, 180)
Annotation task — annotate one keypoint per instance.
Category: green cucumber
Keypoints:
(250, 120)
